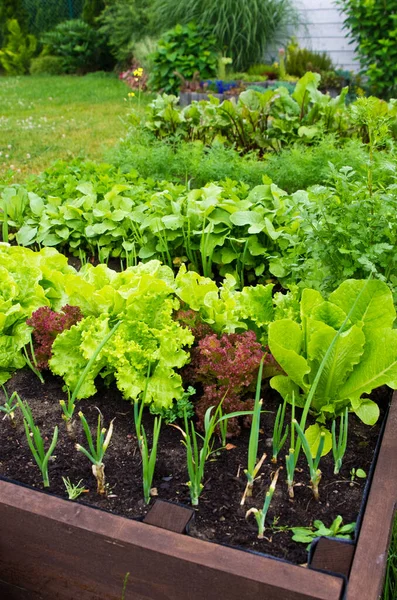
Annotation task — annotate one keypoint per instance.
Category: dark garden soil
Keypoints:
(219, 517)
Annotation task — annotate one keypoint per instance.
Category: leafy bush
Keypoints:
(182, 52)
(91, 11)
(243, 29)
(81, 47)
(19, 50)
(124, 23)
(373, 28)
(300, 60)
(47, 65)
(12, 9)
(47, 324)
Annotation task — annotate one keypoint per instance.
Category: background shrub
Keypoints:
(184, 50)
(243, 28)
(373, 28)
(81, 47)
(124, 23)
(47, 65)
(300, 60)
(18, 51)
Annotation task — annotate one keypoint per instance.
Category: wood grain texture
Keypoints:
(333, 556)
(59, 550)
(169, 516)
(369, 564)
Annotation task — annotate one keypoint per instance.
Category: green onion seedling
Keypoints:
(278, 438)
(339, 445)
(196, 458)
(149, 457)
(96, 453)
(290, 462)
(73, 490)
(253, 465)
(32, 364)
(315, 473)
(260, 515)
(69, 408)
(9, 406)
(35, 441)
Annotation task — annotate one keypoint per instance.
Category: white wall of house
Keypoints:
(323, 32)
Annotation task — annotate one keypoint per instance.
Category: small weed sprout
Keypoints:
(339, 445)
(9, 406)
(260, 515)
(35, 441)
(96, 453)
(73, 490)
(359, 473)
(315, 473)
(305, 535)
(278, 438)
(253, 465)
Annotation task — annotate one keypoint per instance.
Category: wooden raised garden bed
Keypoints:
(54, 549)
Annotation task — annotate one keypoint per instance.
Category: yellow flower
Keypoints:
(138, 72)
(131, 94)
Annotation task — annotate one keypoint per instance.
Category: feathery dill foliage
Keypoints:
(243, 28)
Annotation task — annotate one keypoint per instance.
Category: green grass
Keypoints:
(390, 588)
(44, 118)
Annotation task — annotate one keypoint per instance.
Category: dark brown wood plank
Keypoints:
(63, 551)
(333, 556)
(369, 563)
(169, 516)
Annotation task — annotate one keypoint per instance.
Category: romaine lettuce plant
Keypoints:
(363, 358)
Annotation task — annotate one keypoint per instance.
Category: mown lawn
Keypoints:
(43, 119)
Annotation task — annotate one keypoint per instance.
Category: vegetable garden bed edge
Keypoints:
(54, 549)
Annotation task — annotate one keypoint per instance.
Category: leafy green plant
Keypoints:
(36, 442)
(95, 453)
(339, 444)
(351, 369)
(372, 27)
(305, 535)
(260, 515)
(16, 55)
(182, 52)
(264, 22)
(69, 408)
(74, 490)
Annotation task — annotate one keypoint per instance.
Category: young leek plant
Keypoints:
(9, 406)
(290, 461)
(69, 407)
(96, 453)
(260, 515)
(32, 364)
(254, 465)
(149, 456)
(35, 441)
(339, 445)
(278, 438)
(315, 473)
